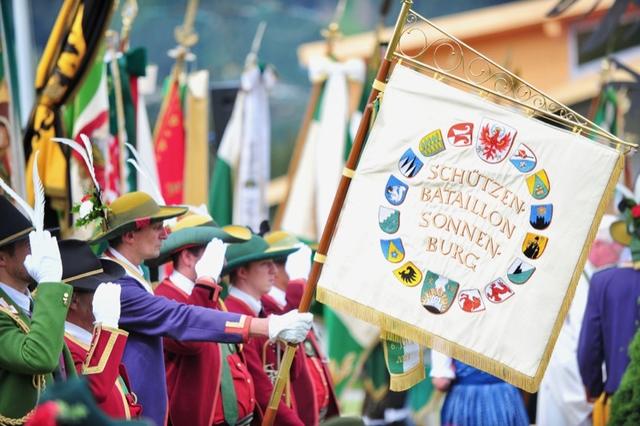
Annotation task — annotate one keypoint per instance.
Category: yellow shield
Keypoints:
(432, 144)
(538, 185)
(408, 274)
(533, 245)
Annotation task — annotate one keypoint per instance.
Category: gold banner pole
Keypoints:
(336, 207)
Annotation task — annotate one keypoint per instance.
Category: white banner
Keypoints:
(466, 226)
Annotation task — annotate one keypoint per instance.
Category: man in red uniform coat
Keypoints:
(251, 272)
(97, 350)
(202, 389)
(290, 278)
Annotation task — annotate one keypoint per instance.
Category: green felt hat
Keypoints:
(197, 230)
(252, 251)
(133, 211)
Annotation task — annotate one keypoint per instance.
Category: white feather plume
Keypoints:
(157, 195)
(83, 153)
(38, 189)
(88, 147)
(18, 199)
(145, 172)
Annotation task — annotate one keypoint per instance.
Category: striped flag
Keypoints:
(241, 172)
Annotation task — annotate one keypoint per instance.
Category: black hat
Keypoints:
(83, 269)
(14, 225)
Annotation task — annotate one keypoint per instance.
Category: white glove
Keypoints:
(291, 327)
(299, 263)
(106, 305)
(44, 263)
(212, 260)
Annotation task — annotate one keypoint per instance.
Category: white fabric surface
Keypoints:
(253, 173)
(514, 333)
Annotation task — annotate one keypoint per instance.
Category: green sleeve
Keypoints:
(38, 351)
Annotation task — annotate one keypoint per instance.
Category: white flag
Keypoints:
(466, 226)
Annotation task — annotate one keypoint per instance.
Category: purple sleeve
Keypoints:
(590, 344)
(144, 313)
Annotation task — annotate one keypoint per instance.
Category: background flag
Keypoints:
(320, 166)
(67, 57)
(169, 145)
(241, 171)
(196, 169)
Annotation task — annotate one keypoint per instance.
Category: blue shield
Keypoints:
(409, 164)
(395, 191)
(393, 250)
(540, 216)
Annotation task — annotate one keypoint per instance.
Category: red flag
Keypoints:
(169, 144)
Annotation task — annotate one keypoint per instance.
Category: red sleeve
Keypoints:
(295, 290)
(204, 294)
(102, 364)
(263, 386)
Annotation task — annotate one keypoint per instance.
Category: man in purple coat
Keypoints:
(135, 233)
(612, 314)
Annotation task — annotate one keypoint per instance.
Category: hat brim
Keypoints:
(619, 233)
(255, 257)
(195, 236)
(17, 237)
(111, 272)
(164, 213)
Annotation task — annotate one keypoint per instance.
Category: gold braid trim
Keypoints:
(8, 421)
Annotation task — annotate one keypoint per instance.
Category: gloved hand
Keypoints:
(106, 305)
(299, 263)
(212, 260)
(291, 327)
(44, 263)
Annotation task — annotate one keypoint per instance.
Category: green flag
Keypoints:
(607, 112)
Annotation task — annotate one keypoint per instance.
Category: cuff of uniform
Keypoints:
(239, 327)
(210, 284)
(103, 343)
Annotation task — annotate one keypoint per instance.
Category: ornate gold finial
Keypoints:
(185, 34)
(129, 13)
(332, 32)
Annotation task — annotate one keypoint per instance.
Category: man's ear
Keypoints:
(242, 272)
(186, 258)
(128, 237)
(75, 302)
(4, 257)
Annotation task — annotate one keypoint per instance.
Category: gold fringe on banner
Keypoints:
(408, 379)
(403, 330)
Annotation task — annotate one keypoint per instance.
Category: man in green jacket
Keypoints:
(31, 329)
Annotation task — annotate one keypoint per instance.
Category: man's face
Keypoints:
(148, 240)
(281, 279)
(260, 275)
(81, 309)
(14, 262)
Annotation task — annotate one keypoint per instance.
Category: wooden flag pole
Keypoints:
(336, 207)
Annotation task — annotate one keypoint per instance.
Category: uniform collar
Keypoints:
(182, 282)
(254, 304)
(22, 300)
(78, 333)
(131, 270)
(279, 296)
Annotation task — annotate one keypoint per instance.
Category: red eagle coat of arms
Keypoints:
(494, 141)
